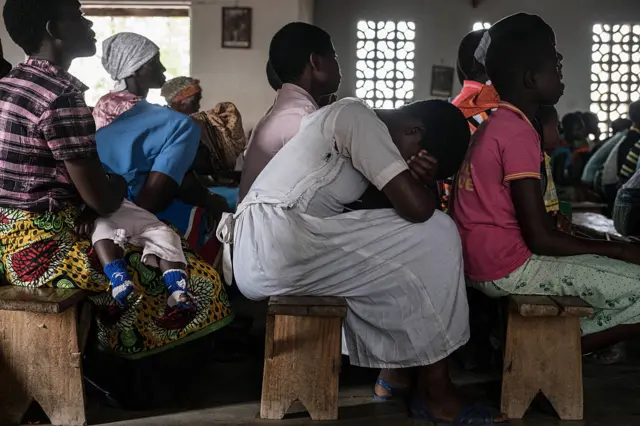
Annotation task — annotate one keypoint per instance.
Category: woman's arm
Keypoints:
(158, 192)
(411, 200)
(543, 239)
(170, 166)
(361, 136)
(69, 130)
(202, 164)
(102, 194)
(194, 192)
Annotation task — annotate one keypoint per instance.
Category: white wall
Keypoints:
(12, 53)
(236, 75)
(441, 24)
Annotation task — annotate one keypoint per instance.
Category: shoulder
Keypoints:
(509, 128)
(177, 123)
(354, 106)
(177, 118)
(32, 93)
(111, 105)
(278, 127)
(349, 112)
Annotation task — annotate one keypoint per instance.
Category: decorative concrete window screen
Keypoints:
(385, 66)
(615, 72)
(481, 26)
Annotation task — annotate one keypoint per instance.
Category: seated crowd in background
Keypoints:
(395, 210)
(58, 175)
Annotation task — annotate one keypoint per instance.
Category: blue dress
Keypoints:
(151, 138)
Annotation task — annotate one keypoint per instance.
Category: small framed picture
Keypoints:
(442, 81)
(236, 27)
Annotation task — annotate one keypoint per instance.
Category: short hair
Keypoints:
(468, 67)
(634, 113)
(510, 56)
(292, 46)
(272, 78)
(590, 121)
(516, 45)
(620, 125)
(446, 135)
(26, 21)
(570, 120)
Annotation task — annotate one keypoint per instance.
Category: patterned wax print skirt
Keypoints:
(43, 250)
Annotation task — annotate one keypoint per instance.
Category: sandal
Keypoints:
(609, 356)
(393, 391)
(472, 415)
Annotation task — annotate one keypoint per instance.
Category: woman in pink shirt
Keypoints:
(303, 58)
(510, 245)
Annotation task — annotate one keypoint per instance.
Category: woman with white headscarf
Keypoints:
(153, 146)
(133, 62)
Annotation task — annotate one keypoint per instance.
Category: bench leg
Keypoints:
(543, 354)
(14, 399)
(302, 363)
(41, 352)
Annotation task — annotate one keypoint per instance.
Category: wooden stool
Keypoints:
(543, 354)
(302, 356)
(40, 353)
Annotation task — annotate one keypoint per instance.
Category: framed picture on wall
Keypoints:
(236, 27)
(442, 81)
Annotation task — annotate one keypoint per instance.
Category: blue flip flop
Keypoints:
(394, 393)
(471, 415)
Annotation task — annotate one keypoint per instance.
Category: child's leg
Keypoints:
(111, 258)
(161, 243)
(162, 248)
(175, 278)
(109, 236)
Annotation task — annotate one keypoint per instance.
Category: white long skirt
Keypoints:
(403, 282)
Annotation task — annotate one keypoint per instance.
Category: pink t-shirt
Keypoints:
(274, 130)
(505, 148)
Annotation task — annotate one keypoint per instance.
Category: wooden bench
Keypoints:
(302, 356)
(543, 354)
(42, 335)
(588, 207)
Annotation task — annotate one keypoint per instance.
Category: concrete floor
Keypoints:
(229, 394)
(225, 391)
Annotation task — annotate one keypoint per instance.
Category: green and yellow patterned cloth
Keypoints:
(611, 286)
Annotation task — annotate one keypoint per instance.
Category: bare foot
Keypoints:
(443, 400)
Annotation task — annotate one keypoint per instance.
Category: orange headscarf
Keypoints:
(475, 103)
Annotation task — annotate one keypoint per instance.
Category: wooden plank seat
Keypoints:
(599, 227)
(588, 207)
(302, 356)
(543, 354)
(42, 335)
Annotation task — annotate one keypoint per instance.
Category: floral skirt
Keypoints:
(611, 286)
(42, 250)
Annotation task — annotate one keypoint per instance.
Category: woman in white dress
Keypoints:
(400, 269)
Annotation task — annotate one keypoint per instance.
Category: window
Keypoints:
(170, 29)
(385, 67)
(481, 26)
(615, 72)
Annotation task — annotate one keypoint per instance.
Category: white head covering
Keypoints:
(125, 53)
(518, 21)
(483, 48)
